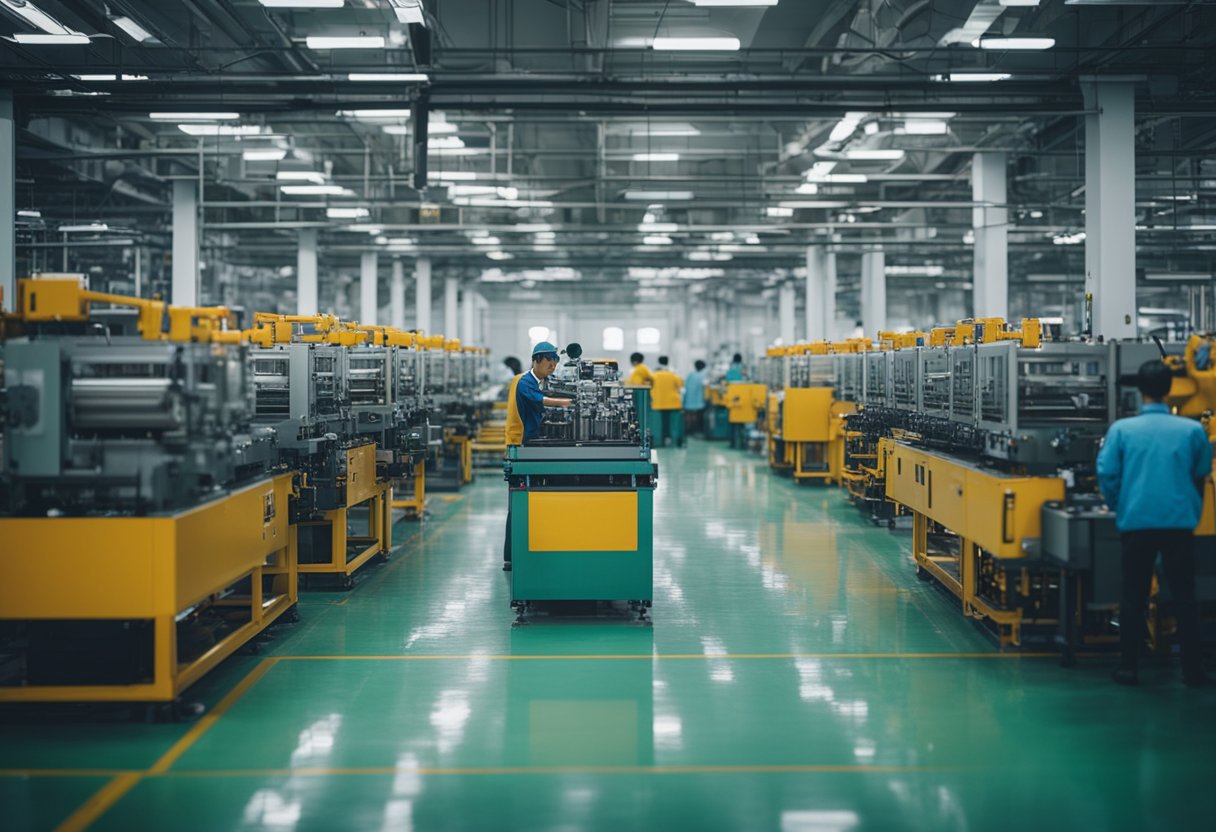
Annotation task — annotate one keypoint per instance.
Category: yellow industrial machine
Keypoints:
(130, 460)
(805, 420)
(744, 402)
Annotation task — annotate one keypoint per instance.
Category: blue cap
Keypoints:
(543, 347)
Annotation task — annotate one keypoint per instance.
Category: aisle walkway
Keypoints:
(796, 677)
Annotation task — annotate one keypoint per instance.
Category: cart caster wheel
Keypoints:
(291, 616)
(347, 583)
(187, 711)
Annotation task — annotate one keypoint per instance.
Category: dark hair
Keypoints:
(700, 365)
(663, 360)
(544, 356)
(737, 359)
(1154, 380)
(514, 364)
(636, 358)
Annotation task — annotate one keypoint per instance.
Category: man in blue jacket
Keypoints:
(1152, 469)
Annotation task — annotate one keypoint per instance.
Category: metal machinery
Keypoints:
(805, 421)
(455, 375)
(988, 437)
(329, 392)
(581, 496)
(745, 402)
(144, 521)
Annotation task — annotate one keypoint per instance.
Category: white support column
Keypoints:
(369, 274)
(820, 294)
(8, 203)
(306, 273)
(468, 334)
(990, 223)
(1110, 207)
(787, 299)
(451, 313)
(396, 296)
(185, 242)
(422, 296)
(873, 293)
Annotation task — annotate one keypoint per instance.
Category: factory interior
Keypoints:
(607, 414)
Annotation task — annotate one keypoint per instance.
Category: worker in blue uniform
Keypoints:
(735, 372)
(1152, 470)
(526, 403)
(694, 401)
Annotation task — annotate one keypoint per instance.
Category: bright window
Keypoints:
(538, 333)
(648, 336)
(614, 339)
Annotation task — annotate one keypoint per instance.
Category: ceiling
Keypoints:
(588, 156)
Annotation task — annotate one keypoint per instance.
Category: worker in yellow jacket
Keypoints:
(641, 375)
(667, 400)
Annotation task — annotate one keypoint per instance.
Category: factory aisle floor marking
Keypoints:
(797, 676)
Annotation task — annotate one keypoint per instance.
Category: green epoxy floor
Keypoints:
(797, 677)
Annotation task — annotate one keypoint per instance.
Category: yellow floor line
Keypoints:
(517, 770)
(116, 789)
(648, 656)
(209, 719)
(103, 799)
(66, 772)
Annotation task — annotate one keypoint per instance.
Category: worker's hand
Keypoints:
(565, 402)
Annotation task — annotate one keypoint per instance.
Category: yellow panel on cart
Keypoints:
(583, 521)
(808, 414)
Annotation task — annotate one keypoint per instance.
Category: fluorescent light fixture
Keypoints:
(923, 127)
(656, 157)
(303, 4)
(845, 127)
(313, 176)
(92, 227)
(544, 247)
(395, 130)
(471, 190)
(408, 11)
(36, 17)
(710, 256)
(440, 127)
(638, 128)
(735, 3)
(545, 236)
(458, 151)
(453, 175)
(809, 188)
(384, 77)
(73, 39)
(486, 241)
(1016, 43)
(1068, 239)
(956, 77)
(695, 44)
(1020, 2)
(358, 42)
(534, 227)
(817, 171)
(915, 271)
(134, 31)
(347, 213)
(778, 211)
(844, 179)
(314, 190)
(365, 228)
(30, 214)
(658, 227)
(374, 115)
(194, 116)
(874, 155)
(444, 141)
(810, 203)
(110, 77)
(273, 155)
(499, 255)
(657, 240)
(220, 129)
(658, 196)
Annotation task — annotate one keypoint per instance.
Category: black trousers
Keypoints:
(1140, 549)
(506, 544)
(694, 422)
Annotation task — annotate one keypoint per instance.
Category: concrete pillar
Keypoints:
(990, 224)
(8, 203)
(396, 296)
(451, 313)
(1110, 207)
(369, 272)
(468, 334)
(306, 273)
(185, 242)
(873, 292)
(820, 294)
(422, 295)
(787, 300)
